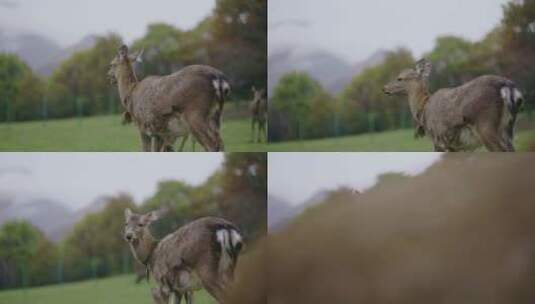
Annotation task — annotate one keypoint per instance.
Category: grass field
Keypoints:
(115, 290)
(392, 141)
(103, 133)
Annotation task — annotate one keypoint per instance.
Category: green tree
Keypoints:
(96, 246)
(244, 192)
(239, 30)
(80, 85)
(364, 107)
(21, 90)
(26, 256)
(293, 98)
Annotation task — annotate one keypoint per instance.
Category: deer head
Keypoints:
(122, 64)
(136, 228)
(257, 94)
(410, 79)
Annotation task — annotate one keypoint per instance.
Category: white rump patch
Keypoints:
(226, 87)
(506, 94)
(215, 83)
(235, 238)
(225, 262)
(518, 95)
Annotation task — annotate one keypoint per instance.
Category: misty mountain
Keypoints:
(44, 214)
(51, 217)
(332, 72)
(64, 54)
(281, 212)
(41, 53)
(34, 49)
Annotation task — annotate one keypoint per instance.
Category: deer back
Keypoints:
(455, 107)
(156, 98)
(188, 247)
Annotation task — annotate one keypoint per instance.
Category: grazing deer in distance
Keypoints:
(161, 105)
(480, 112)
(201, 254)
(258, 109)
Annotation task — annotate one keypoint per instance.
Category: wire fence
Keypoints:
(57, 273)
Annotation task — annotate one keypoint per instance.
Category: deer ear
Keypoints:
(137, 57)
(253, 88)
(150, 217)
(423, 68)
(127, 213)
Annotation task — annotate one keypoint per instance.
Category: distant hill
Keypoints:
(281, 212)
(64, 54)
(45, 214)
(332, 72)
(51, 217)
(41, 53)
(34, 49)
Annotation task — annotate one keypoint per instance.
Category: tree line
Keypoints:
(79, 86)
(301, 109)
(95, 246)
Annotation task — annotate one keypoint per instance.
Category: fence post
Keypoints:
(125, 262)
(60, 268)
(45, 109)
(94, 263)
(79, 109)
(336, 122)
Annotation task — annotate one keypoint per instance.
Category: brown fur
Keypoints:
(461, 118)
(259, 111)
(155, 102)
(462, 232)
(186, 260)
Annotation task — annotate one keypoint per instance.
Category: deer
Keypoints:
(481, 112)
(194, 95)
(200, 254)
(258, 109)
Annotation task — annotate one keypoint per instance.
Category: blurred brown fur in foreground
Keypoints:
(462, 232)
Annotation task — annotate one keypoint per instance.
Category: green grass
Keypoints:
(116, 290)
(392, 141)
(103, 133)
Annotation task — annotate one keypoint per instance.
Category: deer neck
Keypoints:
(144, 248)
(126, 81)
(418, 99)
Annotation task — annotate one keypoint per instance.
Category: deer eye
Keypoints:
(140, 225)
(400, 79)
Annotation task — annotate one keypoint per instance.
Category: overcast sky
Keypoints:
(68, 21)
(77, 179)
(355, 29)
(295, 177)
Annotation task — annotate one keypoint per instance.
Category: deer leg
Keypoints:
(252, 130)
(160, 296)
(201, 131)
(214, 290)
(490, 138)
(145, 142)
(189, 297)
(183, 142)
(154, 143)
(193, 141)
(178, 298)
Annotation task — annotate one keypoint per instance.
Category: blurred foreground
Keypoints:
(462, 232)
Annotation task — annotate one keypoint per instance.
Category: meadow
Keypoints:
(116, 290)
(390, 141)
(104, 134)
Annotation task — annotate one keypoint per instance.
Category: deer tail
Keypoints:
(222, 90)
(230, 243)
(513, 100)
